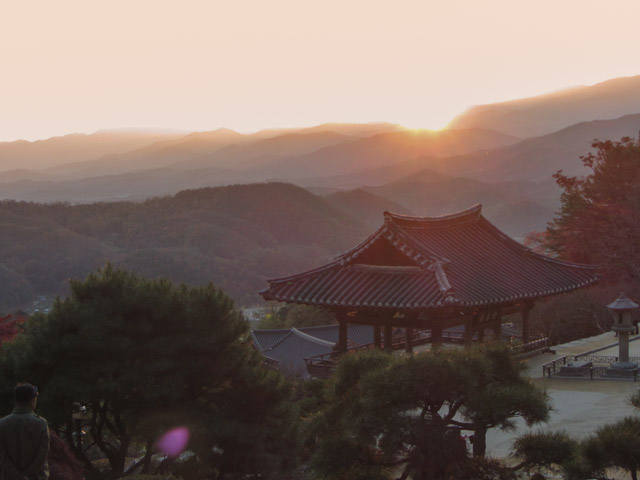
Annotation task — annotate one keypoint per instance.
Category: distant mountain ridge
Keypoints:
(548, 113)
(537, 159)
(281, 158)
(387, 149)
(75, 147)
(124, 148)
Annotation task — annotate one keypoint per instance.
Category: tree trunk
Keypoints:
(146, 464)
(117, 466)
(480, 442)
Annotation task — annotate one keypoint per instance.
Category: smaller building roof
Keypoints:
(289, 347)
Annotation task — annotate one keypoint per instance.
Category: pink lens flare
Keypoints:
(174, 442)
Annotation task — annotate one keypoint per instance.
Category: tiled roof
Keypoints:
(356, 334)
(265, 339)
(291, 351)
(289, 347)
(424, 263)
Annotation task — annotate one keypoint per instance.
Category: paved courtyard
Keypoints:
(579, 405)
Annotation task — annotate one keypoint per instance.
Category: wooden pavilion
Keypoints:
(432, 273)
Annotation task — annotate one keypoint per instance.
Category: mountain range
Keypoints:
(548, 113)
(122, 196)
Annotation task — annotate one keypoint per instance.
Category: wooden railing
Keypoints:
(323, 365)
(529, 349)
(601, 367)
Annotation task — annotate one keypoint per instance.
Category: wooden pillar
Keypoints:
(497, 330)
(341, 347)
(469, 329)
(376, 336)
(497, 326)
(436, 335)
(408, 345)
(388, 342)
(481, 333)
(526, 334)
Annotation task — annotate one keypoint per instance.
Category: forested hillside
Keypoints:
(235, 236)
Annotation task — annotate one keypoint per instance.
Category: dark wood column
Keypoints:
(436, 335)
(497, 326)
(497, 330)
(526, 333)
(408, 346)
(469, 329)
(376, 336)
(388, 342)
(341, 347)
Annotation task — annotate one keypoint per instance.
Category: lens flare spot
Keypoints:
(174, 442)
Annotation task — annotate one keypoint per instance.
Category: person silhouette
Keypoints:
(24, 438)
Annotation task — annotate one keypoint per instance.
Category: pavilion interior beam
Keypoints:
(447, 320)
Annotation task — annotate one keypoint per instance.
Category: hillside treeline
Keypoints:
(234, 236)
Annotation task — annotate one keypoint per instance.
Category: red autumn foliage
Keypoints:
(10, 326)
(63, 464)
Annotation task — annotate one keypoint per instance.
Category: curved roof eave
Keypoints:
(468, 214)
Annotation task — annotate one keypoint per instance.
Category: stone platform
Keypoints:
(579, 406)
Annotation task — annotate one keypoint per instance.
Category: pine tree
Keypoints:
(145, 356)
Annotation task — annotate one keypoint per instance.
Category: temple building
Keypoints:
(432, 273)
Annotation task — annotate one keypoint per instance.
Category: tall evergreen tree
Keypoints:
(599, 218)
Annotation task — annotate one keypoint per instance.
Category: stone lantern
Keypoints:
(622, 309)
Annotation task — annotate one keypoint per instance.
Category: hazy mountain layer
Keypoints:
(40, 154)
(428, 193)
(544, 114)
(385, 149)
(537, 159)
(116, 152)
(264, 160)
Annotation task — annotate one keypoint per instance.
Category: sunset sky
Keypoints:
(81, 66)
